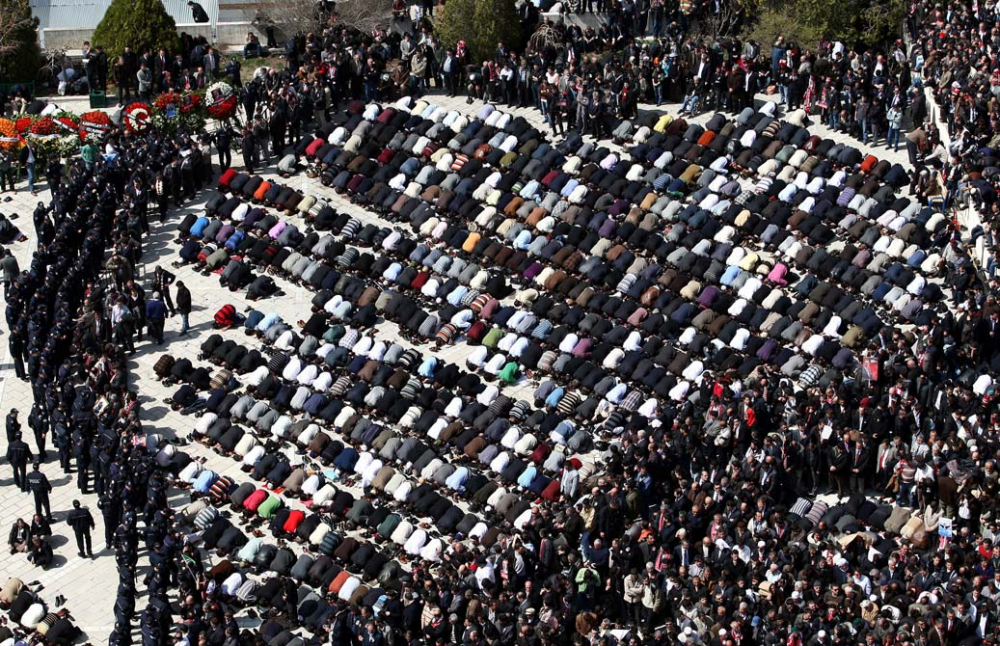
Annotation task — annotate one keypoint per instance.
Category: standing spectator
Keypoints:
(8, 172)
(249, 146)
(102, 69)
(144, 78)
(162, 280)
(156, 314)
(131, 60)
(10, 268)
(89, 154)
(183, 306)
(123, 80)
(449, 69)
(27, 159)
(223, 142)
(162, 190)
(894, 116)
(123, 324)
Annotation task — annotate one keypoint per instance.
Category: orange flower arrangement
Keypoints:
(9, 139)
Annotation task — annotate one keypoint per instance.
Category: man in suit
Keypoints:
(249, 145)
(860, 460)
(211, 63)
(131, 61)
(372, 636)
(885, 462)
(839, 459)
(101, 68)
(162, 280)
(683, 555)
(161, 64)
(749, 86)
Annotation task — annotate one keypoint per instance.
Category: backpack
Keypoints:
(226, 316)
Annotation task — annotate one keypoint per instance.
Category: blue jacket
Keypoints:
(156, 311)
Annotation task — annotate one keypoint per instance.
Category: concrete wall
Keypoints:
(196, 29)
(228, 34)
(233, 34)
(68, 39)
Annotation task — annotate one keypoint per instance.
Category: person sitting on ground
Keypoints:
(20, 536)
(40, 527)
(40, 552)
(252, 48)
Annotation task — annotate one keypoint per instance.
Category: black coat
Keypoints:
(183, 300)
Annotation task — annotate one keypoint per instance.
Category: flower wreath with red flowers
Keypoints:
(23, 125)
(93, 125)
(190, 102)
(68, 123)
(138, 117)
(168, 101)
(44, 128)
(222, 101)
(182, 103)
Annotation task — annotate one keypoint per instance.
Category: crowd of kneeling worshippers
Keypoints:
(717, 323)
(674, 348)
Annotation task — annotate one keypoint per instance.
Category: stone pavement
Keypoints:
(89, 585)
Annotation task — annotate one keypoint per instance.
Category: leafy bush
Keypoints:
(20, 55)
(805, 22)
(143, 24)
(482, 24)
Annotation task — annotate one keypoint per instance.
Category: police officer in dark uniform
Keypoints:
(18, 454)
(13, 425)
(61, 435)
(125, 604)
(41, 488)
(110, 506)
(82, 522)
(81, 446)
(38, 420)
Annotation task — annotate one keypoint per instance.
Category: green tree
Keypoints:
(455, 23)
(804, 22)
(495, 21)
(143, 24)
(20, 55)
(482, 24)
(774, 21)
